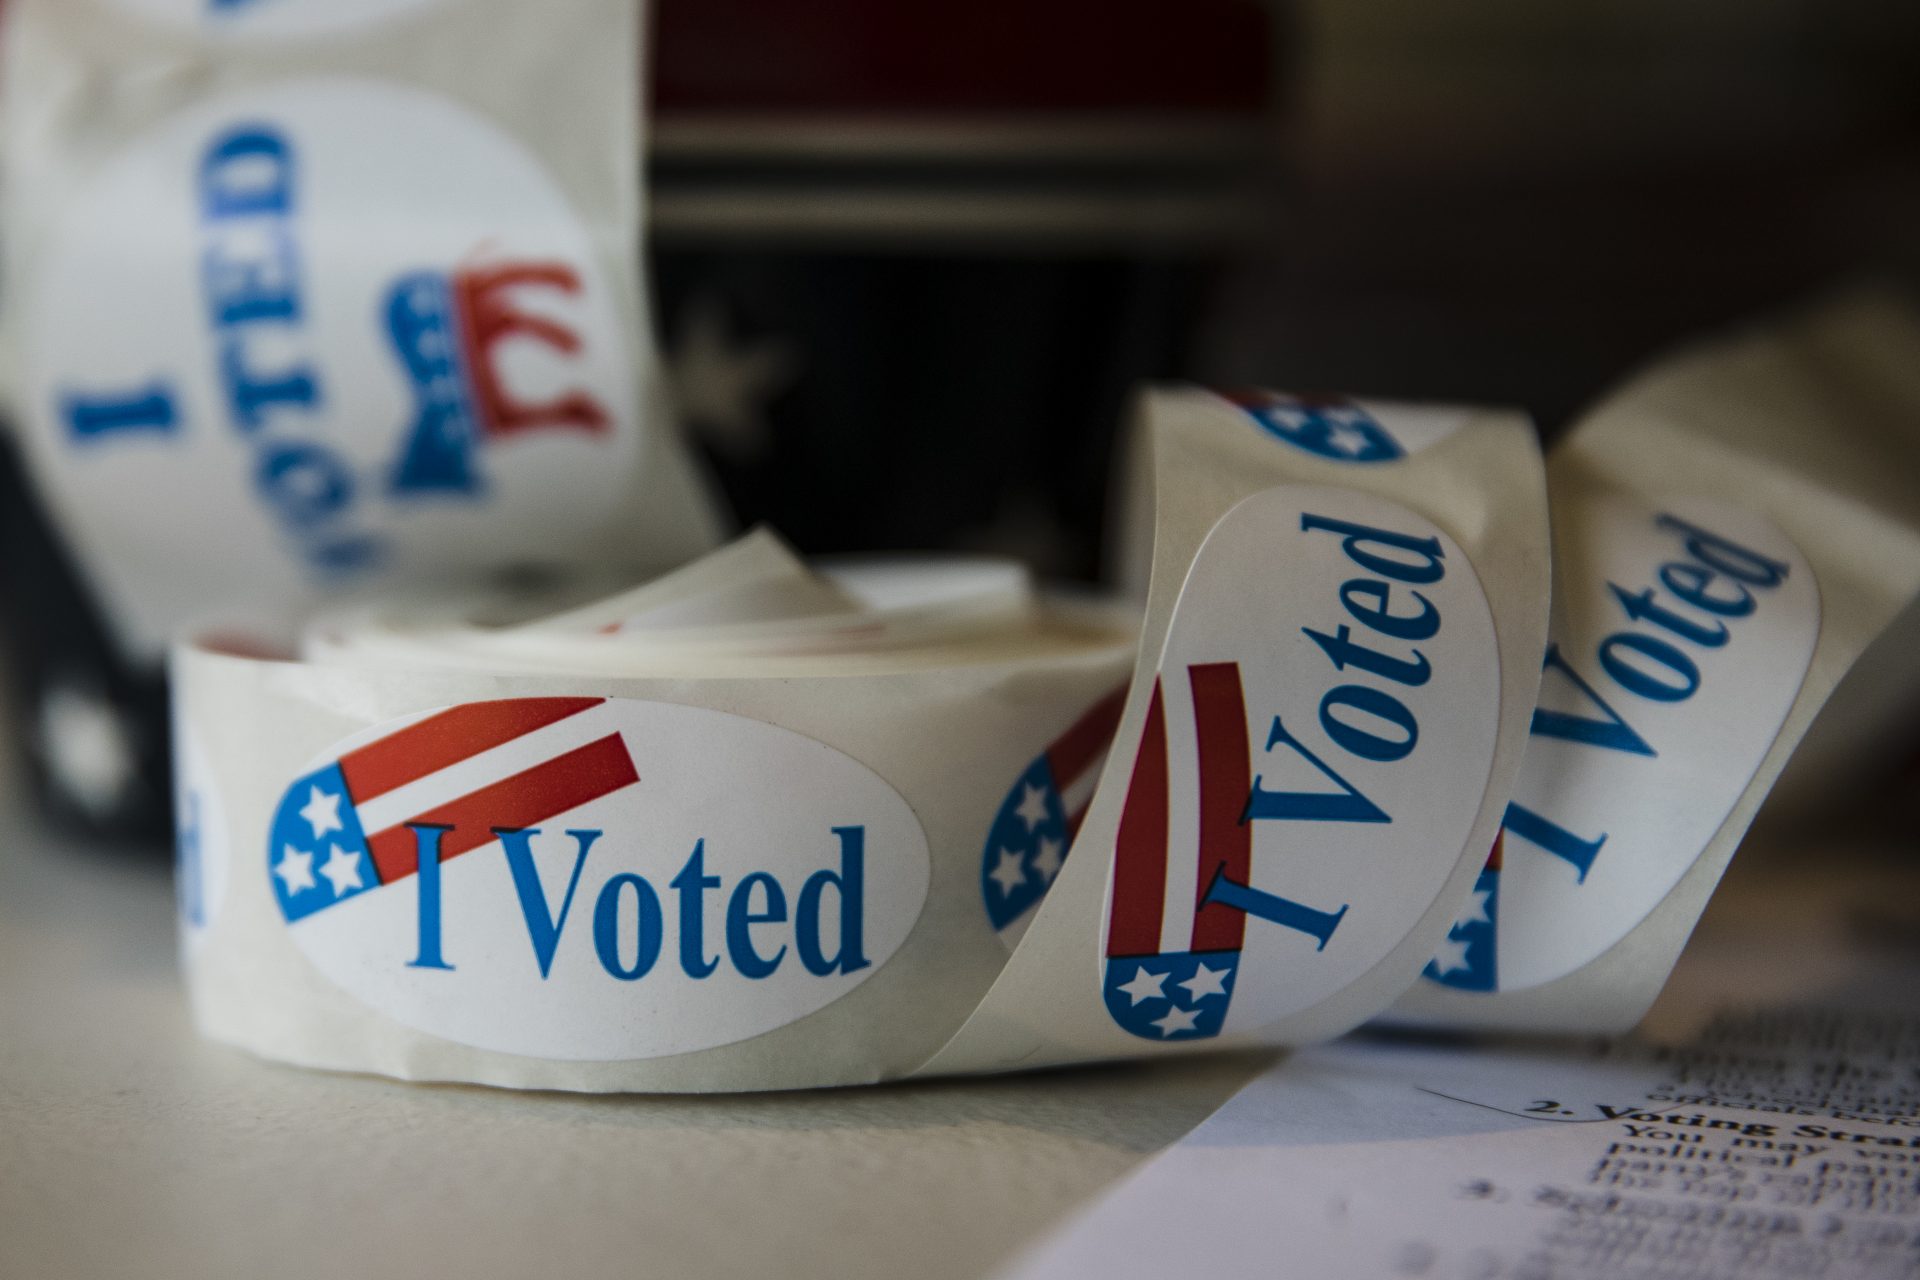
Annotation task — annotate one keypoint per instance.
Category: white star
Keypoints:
(1205, 982)
(1177, 1019)
(1348, 439)
(1033, 806)
(722, 385)
(1452, 955)
(342, 870)
(295, 869)
(1475, 911)
(1007, 872)
(1048, 861)
(1144, 985)
(322, 812)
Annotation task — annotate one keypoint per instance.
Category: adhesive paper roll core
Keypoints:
(755, 826)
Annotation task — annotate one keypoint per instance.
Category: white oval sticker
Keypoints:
(1676, 654)
(595, 878)
(1318, 745)
(268, 19)
(357, 334)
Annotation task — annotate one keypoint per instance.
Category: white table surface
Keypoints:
(129, 1147)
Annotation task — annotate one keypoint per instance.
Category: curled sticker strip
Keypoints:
(1731, 531)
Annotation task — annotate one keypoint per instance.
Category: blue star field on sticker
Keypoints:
(1467, 959)
(318, 854)
(1026, 847)
(1327, 426)
(1027, 844)
(1173, 996)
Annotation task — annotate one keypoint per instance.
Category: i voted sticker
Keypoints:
(357, 335)
(1344, 429)
(1675, 655)
(594, 878)
(267, 19)
(1318, 745)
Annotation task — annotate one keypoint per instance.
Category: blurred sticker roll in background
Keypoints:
(378, 321)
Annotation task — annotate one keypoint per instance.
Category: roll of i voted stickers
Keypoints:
(374, 322)
(762, 825)
(1731, 531)
(679, 847)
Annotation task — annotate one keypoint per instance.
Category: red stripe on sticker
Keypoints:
(1074, 751)
(1226, 780)
(1140, 851)
(446, 739)
(523, 800)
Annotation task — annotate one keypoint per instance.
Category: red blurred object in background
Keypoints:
(945, 56)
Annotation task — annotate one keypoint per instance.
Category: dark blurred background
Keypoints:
(952, 235)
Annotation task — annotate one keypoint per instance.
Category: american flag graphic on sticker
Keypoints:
(348, 828)
(1172, 956)
(594, 878)
(1028, 842)
(1343, 429)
